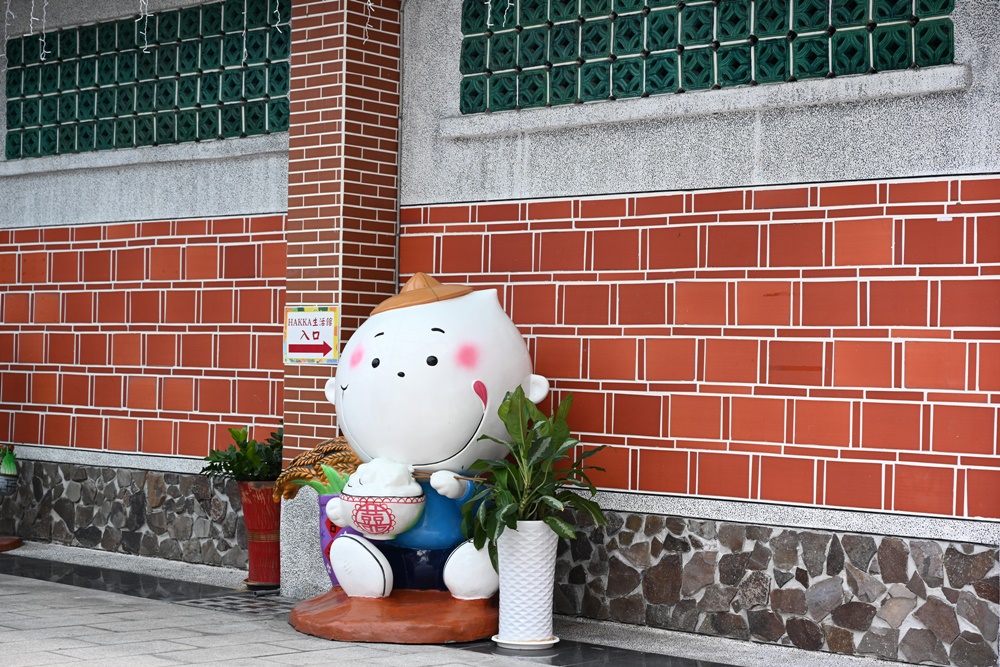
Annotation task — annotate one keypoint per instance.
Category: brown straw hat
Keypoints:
(419, 289)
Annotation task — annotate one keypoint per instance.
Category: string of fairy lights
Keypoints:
(244, 33)
(44, 51)
(369, 10)
(142, 23)
(489, 12)
(7, 16)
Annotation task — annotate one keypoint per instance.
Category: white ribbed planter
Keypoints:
(527, 574)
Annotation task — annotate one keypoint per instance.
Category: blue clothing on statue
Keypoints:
(417, 557)
(440, 526)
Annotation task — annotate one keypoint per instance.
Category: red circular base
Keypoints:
(8, 543)
(405, 617)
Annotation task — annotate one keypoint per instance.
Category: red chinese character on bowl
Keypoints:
(381, 500)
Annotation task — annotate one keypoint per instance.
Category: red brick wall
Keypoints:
(156, 336)
(149, 337)
(342, 166)
(827, 345)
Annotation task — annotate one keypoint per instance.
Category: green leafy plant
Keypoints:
(539, 481)
(247, 460)
(8, 462)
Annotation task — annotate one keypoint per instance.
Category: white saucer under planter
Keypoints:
(534, 644)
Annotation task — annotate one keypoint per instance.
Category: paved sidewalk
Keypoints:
(44, 623)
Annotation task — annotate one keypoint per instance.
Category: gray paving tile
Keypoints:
(302, 643)
(430, 659)
(223, 654)
(9, 635)
(167, 620)
(226, 623)
(92, 612)
(256, 637)
(416, 649)
(33, 659)
(105, 637)
(129, 613)
(47, 644)
(123, 650)
(25, 623)
(349, 652)
(134, 661)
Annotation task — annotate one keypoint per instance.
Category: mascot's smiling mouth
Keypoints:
(478, 387)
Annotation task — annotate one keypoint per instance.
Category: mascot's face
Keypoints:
(420, 384)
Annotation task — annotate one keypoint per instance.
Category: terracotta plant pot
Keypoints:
(262, 516)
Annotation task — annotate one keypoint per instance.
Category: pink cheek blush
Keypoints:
(356, 356)
(468, 356)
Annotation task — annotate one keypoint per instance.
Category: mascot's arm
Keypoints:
(334, 512)
(449, 485)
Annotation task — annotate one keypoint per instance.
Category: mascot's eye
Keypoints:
(432, 361)
(375, 363)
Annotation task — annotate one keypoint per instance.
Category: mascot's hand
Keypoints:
(335, 512)
(445, 483)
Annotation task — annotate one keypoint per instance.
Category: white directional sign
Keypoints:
(312, 334)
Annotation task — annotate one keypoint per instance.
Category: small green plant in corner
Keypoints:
(8, 462)
(538, 482)
(247, 460)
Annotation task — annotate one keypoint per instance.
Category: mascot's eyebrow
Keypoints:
(438, 330)
(380, 333)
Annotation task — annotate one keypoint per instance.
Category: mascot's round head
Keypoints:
(421, 380)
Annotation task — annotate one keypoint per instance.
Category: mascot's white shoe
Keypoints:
(361, 569)
(469, 574)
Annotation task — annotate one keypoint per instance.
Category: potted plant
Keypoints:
(8, 487)
(518, 514)
(255, 466)
(8, 470)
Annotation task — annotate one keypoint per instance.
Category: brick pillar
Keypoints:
(342, 182)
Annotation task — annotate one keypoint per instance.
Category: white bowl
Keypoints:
(383, 517)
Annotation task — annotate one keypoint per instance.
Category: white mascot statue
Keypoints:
(417, 385)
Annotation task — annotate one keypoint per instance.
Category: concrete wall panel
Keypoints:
(896, 124)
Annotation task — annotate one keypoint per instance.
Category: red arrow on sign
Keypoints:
(321, 349)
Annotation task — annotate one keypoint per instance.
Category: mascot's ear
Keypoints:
(538, 388)
(331, 389)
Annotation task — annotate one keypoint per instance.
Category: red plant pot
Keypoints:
(262, 516)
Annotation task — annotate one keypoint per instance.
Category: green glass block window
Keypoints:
(531, 53)
(187, 75)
